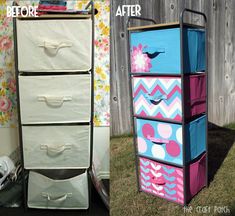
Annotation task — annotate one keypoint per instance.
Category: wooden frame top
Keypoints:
(161, 25)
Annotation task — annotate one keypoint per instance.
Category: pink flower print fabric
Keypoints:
(5, 104)
(5, 43)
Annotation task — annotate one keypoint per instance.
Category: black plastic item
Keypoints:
(12, 195)
(101, 186)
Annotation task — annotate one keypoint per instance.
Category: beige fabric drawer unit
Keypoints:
(55, 99)
(54, 45)
(71, 193)
(54, 71)
(56, 147)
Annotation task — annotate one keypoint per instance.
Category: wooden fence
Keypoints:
(221, 55)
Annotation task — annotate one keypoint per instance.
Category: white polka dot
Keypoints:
(179, 135)
(142, 145)
(158, 151)
(164, 130)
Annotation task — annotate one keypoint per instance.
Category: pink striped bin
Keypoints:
(168, 181)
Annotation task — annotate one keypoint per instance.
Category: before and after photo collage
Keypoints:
(117, 107)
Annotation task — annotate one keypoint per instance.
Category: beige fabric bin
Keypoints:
(49, 193)
(54, 46)
(55, 99)
(56, 147)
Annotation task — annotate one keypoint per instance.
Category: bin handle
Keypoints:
(55, 150)
(157, 140)
(53, 47)
(153, 52)
(61, 198)
(157, 99)
(54, 101)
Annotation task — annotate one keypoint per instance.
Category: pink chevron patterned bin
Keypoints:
(161, 97)
(167, 181)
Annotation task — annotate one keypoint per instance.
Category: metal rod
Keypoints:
(183, 116)
(24, 187)
(157, 119)
(207, 75)
(155, 74)
(57, 124)
(170, 163)
(139, 18)
(22, 73)
(57, 18)
(131, 95)
(91, 3)
(159, 160)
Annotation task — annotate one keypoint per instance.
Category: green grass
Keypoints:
(230, 126)
(125, 200)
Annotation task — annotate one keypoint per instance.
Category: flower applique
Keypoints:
(140, 62)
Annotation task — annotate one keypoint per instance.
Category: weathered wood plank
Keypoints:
(120, 100)
(156, 8)
(209, 10)
(115, 126)
(197, 19)
(170, 10)
(221, 55)
(229, 75)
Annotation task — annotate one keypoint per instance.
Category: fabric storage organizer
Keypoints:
(161, 97)
(159, 47)
(167, 181)
(163, 141)
(45, 45)
(168, 85)
(68, 193)
(54, 72)
(55, 99)
(57, 147)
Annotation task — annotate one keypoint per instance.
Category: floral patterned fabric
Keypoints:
(102, 62)
(7, 80)
(102, 59)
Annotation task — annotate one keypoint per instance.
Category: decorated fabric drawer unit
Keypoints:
(161, 97)
(58, 192)
(56, 147)
(55, 99)
(168, 181)
(158, 51)
(163, 141)
(54, 45)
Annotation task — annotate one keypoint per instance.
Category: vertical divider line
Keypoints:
(206, 73)
(24, 172)
(92, 102)
(183, 107)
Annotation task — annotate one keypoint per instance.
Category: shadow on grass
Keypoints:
(220, 140)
